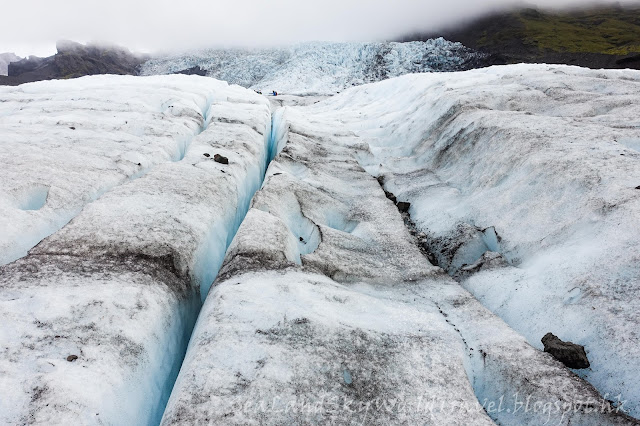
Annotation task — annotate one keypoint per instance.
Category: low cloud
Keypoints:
(33, 26)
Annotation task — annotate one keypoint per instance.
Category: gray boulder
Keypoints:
(570, 354)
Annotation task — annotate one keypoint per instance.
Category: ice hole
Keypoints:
(34, 198)
(340, 222)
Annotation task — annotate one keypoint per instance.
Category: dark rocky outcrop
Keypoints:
(593, 37)
(570, 354)
(193, 71)
(630, 61)
(74, 60)
(5, 60)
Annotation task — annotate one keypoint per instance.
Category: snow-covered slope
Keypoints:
(5, 60)
(318, 68)
(96, 319)
(536, 163)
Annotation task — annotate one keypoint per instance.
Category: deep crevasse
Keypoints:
(324, 298)
(124, 299)
(221, 235)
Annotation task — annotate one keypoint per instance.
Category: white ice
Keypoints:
(75, 140)
(522, 182)
(120, 285)
(546, 155)
(326, 311)
(318, 67)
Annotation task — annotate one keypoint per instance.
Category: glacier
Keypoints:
(325, 310)
(179, 250)
(77, 139)
(318, 68)
(538, 157)
(119, 287)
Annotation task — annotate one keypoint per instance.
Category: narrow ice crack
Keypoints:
(469, 364)
(184, 144)
(211, 267)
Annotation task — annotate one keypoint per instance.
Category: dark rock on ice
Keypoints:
(221, 159)
(403, 206)
(570, 354)
(193, 71)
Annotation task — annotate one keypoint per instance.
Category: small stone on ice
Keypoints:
(72, 358)
(206, 154)
(570, 354)
(221, 159)
(403, 206)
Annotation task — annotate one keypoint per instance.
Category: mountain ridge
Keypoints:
(73, 60)
(596, 37)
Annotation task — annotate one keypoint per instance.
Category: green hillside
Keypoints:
(606, 37)
(606, 31)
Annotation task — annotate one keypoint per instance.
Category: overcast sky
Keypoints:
(33, 26)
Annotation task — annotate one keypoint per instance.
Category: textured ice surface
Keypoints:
(544, 155)
(126, 320)
(208, 199)
(319, 67)
(119, 286)
(326, 312)
(522, 178)
(75, 140)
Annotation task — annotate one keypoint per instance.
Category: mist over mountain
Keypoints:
(5, 59)
(605, 36)
(74, 60)
(594, 37)
(200, 24)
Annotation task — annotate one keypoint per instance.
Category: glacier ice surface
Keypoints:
(544, 156)
(120, 285)
(317, 67)
(361, 328)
